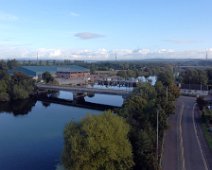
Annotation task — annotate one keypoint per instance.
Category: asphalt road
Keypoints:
(184, 145)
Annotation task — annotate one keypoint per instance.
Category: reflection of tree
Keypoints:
(53, 94)
(19, 107)
(46, 104)
(91, 94)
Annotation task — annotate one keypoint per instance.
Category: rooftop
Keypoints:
(72, 68)
(38, 70)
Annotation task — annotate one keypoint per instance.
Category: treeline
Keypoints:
(14, 87)
(140, 111)
(196, 76)
(8, 64)
(17, 86)
(127, 139)
(144, 71)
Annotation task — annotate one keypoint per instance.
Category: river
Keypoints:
(31, 132)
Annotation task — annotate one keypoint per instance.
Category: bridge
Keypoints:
(123, 83)
(82, 90)
(82, 104)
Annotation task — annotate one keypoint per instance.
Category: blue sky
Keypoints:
(100, 29)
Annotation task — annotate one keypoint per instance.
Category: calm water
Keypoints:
(31, 132)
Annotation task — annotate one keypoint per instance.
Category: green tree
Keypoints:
(19, 92)
(122, 74)
(20, 86)
(47, 77)
(209, 74)
(98, 143)
(166, 77)
(3, 65)
(12, 64)
(194, 76)
(4, 96)
(140, 112)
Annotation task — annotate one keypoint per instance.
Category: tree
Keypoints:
(209, 74)
(12, 64)
(122, 74)
(47, 77)
(98, 142)
(194, 76)
(21, 86)
(4, 96)
(166, 77)
(19, 92)
(140, 112)
(3, 65)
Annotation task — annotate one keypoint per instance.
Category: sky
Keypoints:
(105, 29)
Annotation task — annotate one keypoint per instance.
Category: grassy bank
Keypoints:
(207, 114)
(207, 134)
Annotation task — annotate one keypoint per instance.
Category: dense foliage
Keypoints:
(194, 76)
(47, 77)
(16, 86)
(140, 111)
(98, 143)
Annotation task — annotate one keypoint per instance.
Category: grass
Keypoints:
(207, 134)
(205, 125)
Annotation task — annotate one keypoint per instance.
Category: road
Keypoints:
(184, 145)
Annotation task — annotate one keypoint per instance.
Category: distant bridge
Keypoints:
(78, 90)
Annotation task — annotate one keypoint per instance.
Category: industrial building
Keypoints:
(72, 72)
(62, 73)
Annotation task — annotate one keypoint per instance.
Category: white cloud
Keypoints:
(165, 51)
(17, 51)
(87, 35)
(56, 53)
(143, 51)
(7, 17)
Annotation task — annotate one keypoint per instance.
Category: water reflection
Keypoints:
(46, 104)
(35, 141)
(97, 101)
(20, 107)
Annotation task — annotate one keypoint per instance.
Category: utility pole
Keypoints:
(206, 56)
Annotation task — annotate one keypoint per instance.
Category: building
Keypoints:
(74, 75)
(64, 74)
(72, 72)
(35, 71)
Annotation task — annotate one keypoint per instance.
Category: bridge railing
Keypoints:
(82, 89)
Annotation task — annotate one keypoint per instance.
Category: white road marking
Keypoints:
(198, 141)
